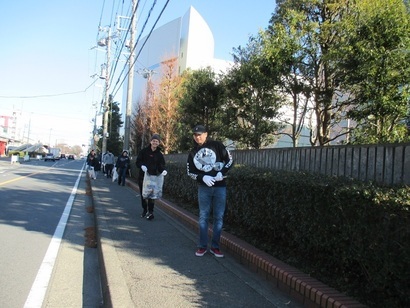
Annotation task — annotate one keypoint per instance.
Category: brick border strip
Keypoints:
(300, 286)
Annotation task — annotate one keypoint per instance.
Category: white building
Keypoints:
(13, 125)
(188, 39)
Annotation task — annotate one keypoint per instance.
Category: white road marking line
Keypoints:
(39, 288)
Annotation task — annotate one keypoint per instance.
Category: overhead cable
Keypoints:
(114, 67)
(148, 36)
(133, 48)
(50, 95)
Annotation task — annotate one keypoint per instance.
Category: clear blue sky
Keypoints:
(46, 59)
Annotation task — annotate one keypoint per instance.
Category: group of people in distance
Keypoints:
(208, 163)
(108, 161)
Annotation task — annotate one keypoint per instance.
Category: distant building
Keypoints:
(11, 130)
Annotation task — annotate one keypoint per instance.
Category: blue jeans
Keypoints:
(121, 175)
(211, 198)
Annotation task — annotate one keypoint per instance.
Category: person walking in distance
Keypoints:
(150, 160)
(108, 160)
(207, 163)
(122, 165)
(91, 154)
(92, 166)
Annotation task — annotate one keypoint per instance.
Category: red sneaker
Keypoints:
(217, 253)
(200, 252)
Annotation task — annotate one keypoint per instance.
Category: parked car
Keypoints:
(49, 156)
(71, 156)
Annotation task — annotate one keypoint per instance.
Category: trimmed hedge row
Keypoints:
(353, 236)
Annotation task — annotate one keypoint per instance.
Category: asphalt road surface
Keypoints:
(36, 202)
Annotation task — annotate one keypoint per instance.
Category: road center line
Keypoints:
(20, 178)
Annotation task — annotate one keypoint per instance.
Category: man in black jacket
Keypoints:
(208, 162)
(150, 160)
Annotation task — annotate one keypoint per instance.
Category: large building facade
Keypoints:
(188, 39)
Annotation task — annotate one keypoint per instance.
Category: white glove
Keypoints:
(144, 168)
(219, 176)
(208, 180)
(164, 173)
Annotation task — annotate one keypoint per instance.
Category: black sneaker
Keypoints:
(144, 214)
(150, 216)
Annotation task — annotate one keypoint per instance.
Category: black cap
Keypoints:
(156, 136)
(199, 129)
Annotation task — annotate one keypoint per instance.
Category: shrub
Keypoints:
(352, 235)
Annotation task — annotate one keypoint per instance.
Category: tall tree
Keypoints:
(137, 128)
(314, 27)
(281, 47)
(114, 140)
(165, 104)
(200, 103)
(251, 103)
(376, 59)
(144, 116)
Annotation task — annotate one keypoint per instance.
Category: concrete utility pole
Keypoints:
(127, 130)
(107, 96)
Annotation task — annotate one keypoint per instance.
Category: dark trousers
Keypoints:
(121, 175)
(147, 204)
(108, 169)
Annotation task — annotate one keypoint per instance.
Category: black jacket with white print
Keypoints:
(209, 159)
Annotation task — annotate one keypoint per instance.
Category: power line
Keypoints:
(50, 95)
(133, 47)
(118, 6)
(142, 47)
(99, 24)
(118, 54)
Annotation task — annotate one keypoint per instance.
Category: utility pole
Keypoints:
(95, 137)
(29, 128)
(127, 130)
(107, 96)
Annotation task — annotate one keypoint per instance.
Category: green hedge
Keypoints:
(353, 236)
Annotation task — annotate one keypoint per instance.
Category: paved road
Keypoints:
(37, 199)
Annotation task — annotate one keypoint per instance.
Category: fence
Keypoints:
(388, 164)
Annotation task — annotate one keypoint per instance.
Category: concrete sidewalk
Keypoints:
(153, 263)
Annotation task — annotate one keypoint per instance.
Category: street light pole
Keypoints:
(127, 130)
(147, 74)
(94, 134)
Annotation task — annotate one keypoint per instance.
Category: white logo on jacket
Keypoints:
(205, 159)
